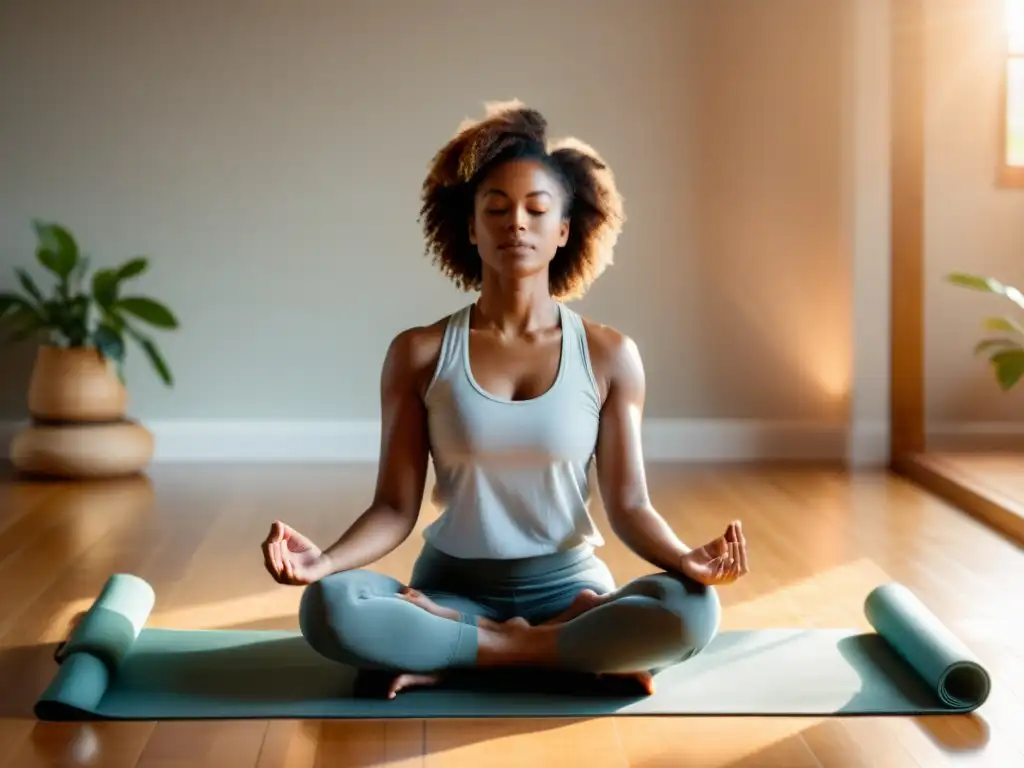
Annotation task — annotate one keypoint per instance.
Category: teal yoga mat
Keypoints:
(113, 667)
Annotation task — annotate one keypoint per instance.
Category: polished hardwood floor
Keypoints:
(1000, 471)
(819, 539)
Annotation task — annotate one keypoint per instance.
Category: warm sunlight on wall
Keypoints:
(1015, 25)
(830, 370)
(1014, 117)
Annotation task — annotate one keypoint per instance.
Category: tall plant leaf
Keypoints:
(975, 282)
(58, 250)
(55, 262)
(26, 322)
(80, 271)
(988, 285)
(149, 310)
(58, 318)
(78, 320)
(114, 319)
(1006, 324)
(11, 302)
(155, 358)
(988, 345)
(110, 342)
(158, 362)
(132, 268)
(30, 286)
(1009, 367)
(104, 287)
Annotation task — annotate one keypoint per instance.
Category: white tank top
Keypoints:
(512, 476)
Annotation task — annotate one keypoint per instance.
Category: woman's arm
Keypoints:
(620, 460)
(404, 451)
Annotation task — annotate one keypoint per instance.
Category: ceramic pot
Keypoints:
(75, 384)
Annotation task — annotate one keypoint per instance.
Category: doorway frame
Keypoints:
(908, 451)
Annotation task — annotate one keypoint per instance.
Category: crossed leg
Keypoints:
(584, 600)
(372, 621)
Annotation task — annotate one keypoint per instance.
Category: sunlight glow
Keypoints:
(830, 371)
(1015, 112)
(60, 625)
(1014, 118)
(832, 597)
(1014, 19)
(278, 605)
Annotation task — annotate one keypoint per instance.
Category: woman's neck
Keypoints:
(523, 307)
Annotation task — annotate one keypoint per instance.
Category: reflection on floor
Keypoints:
(1002, 473)
(988, 483)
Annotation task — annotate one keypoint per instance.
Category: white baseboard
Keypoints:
(737, 440)
(689, 440)
(692, 440)
(971, 436)
(867, 445)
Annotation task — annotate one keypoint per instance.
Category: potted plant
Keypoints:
(1005, 351)
(82, 325)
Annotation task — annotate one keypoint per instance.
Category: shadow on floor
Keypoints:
(957, 733)
(25, 671)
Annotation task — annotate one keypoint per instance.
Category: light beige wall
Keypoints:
(268, 156)
(970, 223)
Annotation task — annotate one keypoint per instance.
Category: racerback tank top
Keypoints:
(512, 476)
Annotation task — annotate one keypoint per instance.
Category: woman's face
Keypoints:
(518, 221)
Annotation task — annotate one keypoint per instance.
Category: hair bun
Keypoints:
(511, 116)
(504, 123)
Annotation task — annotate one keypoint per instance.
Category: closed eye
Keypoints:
(498, 212)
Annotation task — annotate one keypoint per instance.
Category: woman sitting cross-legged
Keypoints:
(512, 397)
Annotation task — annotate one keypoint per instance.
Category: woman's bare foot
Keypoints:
(582, 603)
(644, 679)
(420, 600)
(405, 681)
(417, 598)
(511, 642)
(408, 680)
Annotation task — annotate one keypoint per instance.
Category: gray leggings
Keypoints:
(356, 617)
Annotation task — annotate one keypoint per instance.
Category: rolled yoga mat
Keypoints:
(113, 667)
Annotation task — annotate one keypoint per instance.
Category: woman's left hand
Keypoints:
(720, 561)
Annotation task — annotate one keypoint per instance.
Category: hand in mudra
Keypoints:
(291, 558)
(720, 561)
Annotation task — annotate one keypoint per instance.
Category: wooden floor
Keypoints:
(819, 539)
(988, 484)
(999, 473)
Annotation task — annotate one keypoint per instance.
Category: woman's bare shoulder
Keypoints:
(413, 352)
(614, 356)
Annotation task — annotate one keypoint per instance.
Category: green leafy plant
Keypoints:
(85, 313)
(1005, 352)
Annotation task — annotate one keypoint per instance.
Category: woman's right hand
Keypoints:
(291, 558)
(720, 561)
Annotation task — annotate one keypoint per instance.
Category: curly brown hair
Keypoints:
(510, 130)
